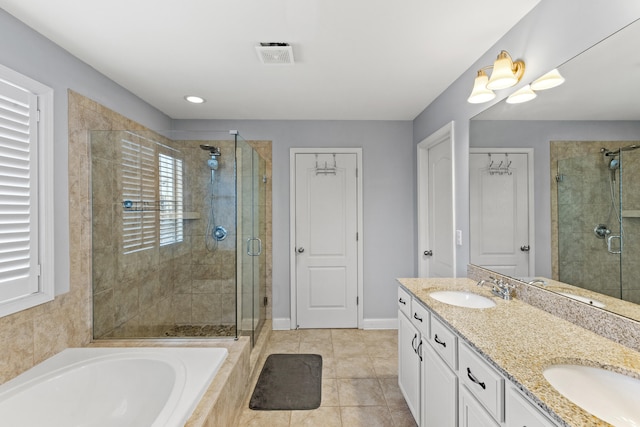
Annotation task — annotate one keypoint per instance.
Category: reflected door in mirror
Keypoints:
(499, 204)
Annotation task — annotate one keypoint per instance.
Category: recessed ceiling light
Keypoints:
(195, 99)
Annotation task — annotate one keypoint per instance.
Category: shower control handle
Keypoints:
(300, 250)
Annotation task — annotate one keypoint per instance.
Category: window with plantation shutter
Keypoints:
(171, 201)
(22, 237)
(139, 186)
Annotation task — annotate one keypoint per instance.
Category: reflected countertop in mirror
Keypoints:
(592, 105)
(614, 305)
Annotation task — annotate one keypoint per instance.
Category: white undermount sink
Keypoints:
(586, 300)
(463, 299)
(610, 396)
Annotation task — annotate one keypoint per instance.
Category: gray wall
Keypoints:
(551, 34)
(388, 175)
(29, 53)
(537, 134)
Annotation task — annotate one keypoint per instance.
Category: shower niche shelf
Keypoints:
(631, 213)
(190, 215)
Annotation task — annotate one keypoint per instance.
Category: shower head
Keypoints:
(214, 151)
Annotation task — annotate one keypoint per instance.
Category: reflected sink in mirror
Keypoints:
(463, 299)
(585, 300)
(610, 396)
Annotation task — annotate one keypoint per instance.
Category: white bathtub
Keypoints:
(100, 387)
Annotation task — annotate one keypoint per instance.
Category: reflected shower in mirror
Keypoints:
(586, 205)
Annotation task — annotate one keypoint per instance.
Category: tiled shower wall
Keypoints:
(580, 200)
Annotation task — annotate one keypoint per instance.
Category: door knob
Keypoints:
(428, 253)
(300, 250)
(525, 248)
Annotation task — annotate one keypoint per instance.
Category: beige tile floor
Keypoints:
(359, 380)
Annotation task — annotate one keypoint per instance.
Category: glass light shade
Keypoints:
(504, 73)
(523, 94)
(552, 79)
(480, 93)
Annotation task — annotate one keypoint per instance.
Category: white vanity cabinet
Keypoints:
(520, 412)
(409, 357)
(447, 383)
(439, 391)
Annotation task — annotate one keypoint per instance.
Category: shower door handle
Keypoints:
(250, 246)
(611, 251)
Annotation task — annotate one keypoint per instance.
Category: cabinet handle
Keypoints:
(474, 379)
(420, 351)
(415, 316)
(437, 340)
(415, 349)
(401, 301)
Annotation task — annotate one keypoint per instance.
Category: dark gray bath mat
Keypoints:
(289, 382)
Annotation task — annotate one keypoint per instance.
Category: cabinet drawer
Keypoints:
(404, 302)
(484, 382)
(420, 318)
(519, 412)
(444, 342)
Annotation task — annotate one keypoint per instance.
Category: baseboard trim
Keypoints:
(282, 324)
(380, 323)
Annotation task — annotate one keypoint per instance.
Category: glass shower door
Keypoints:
(630, 223)
(251, 271)
(588, 253)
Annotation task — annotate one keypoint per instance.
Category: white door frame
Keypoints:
(442, 135)
(292, 225)
(530, 189)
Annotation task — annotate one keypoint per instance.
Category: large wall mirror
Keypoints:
(583, 232)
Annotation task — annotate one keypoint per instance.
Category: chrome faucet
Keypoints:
(540, 281)
(499, 287)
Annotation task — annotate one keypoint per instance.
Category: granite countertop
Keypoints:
(520, 341)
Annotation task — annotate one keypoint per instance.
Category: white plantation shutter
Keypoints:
(19, 262)
(139, 186)
(171, 200)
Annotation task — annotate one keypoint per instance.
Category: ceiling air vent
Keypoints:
(275, 53)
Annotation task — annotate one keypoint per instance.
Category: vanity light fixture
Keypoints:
(195, 99)
(506, 73)
(480, 93)
(552, 79)
(524, 94)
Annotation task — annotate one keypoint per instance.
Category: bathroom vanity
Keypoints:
(466, 366)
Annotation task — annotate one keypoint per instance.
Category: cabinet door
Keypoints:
(472, 414)
(521, 413)
(439, 391)
(409, 364)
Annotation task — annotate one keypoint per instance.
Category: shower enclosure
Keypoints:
(598, 216)
(178, 232)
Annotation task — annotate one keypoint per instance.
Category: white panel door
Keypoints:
(499, 213)
(435, 205)
(440, 215)
(326, 240)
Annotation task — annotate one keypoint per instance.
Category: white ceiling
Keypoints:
(355, 59)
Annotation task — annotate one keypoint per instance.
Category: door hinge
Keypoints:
(38, 116)
(265, 301)
(357, 300)
(357, 236)
(38, 270)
